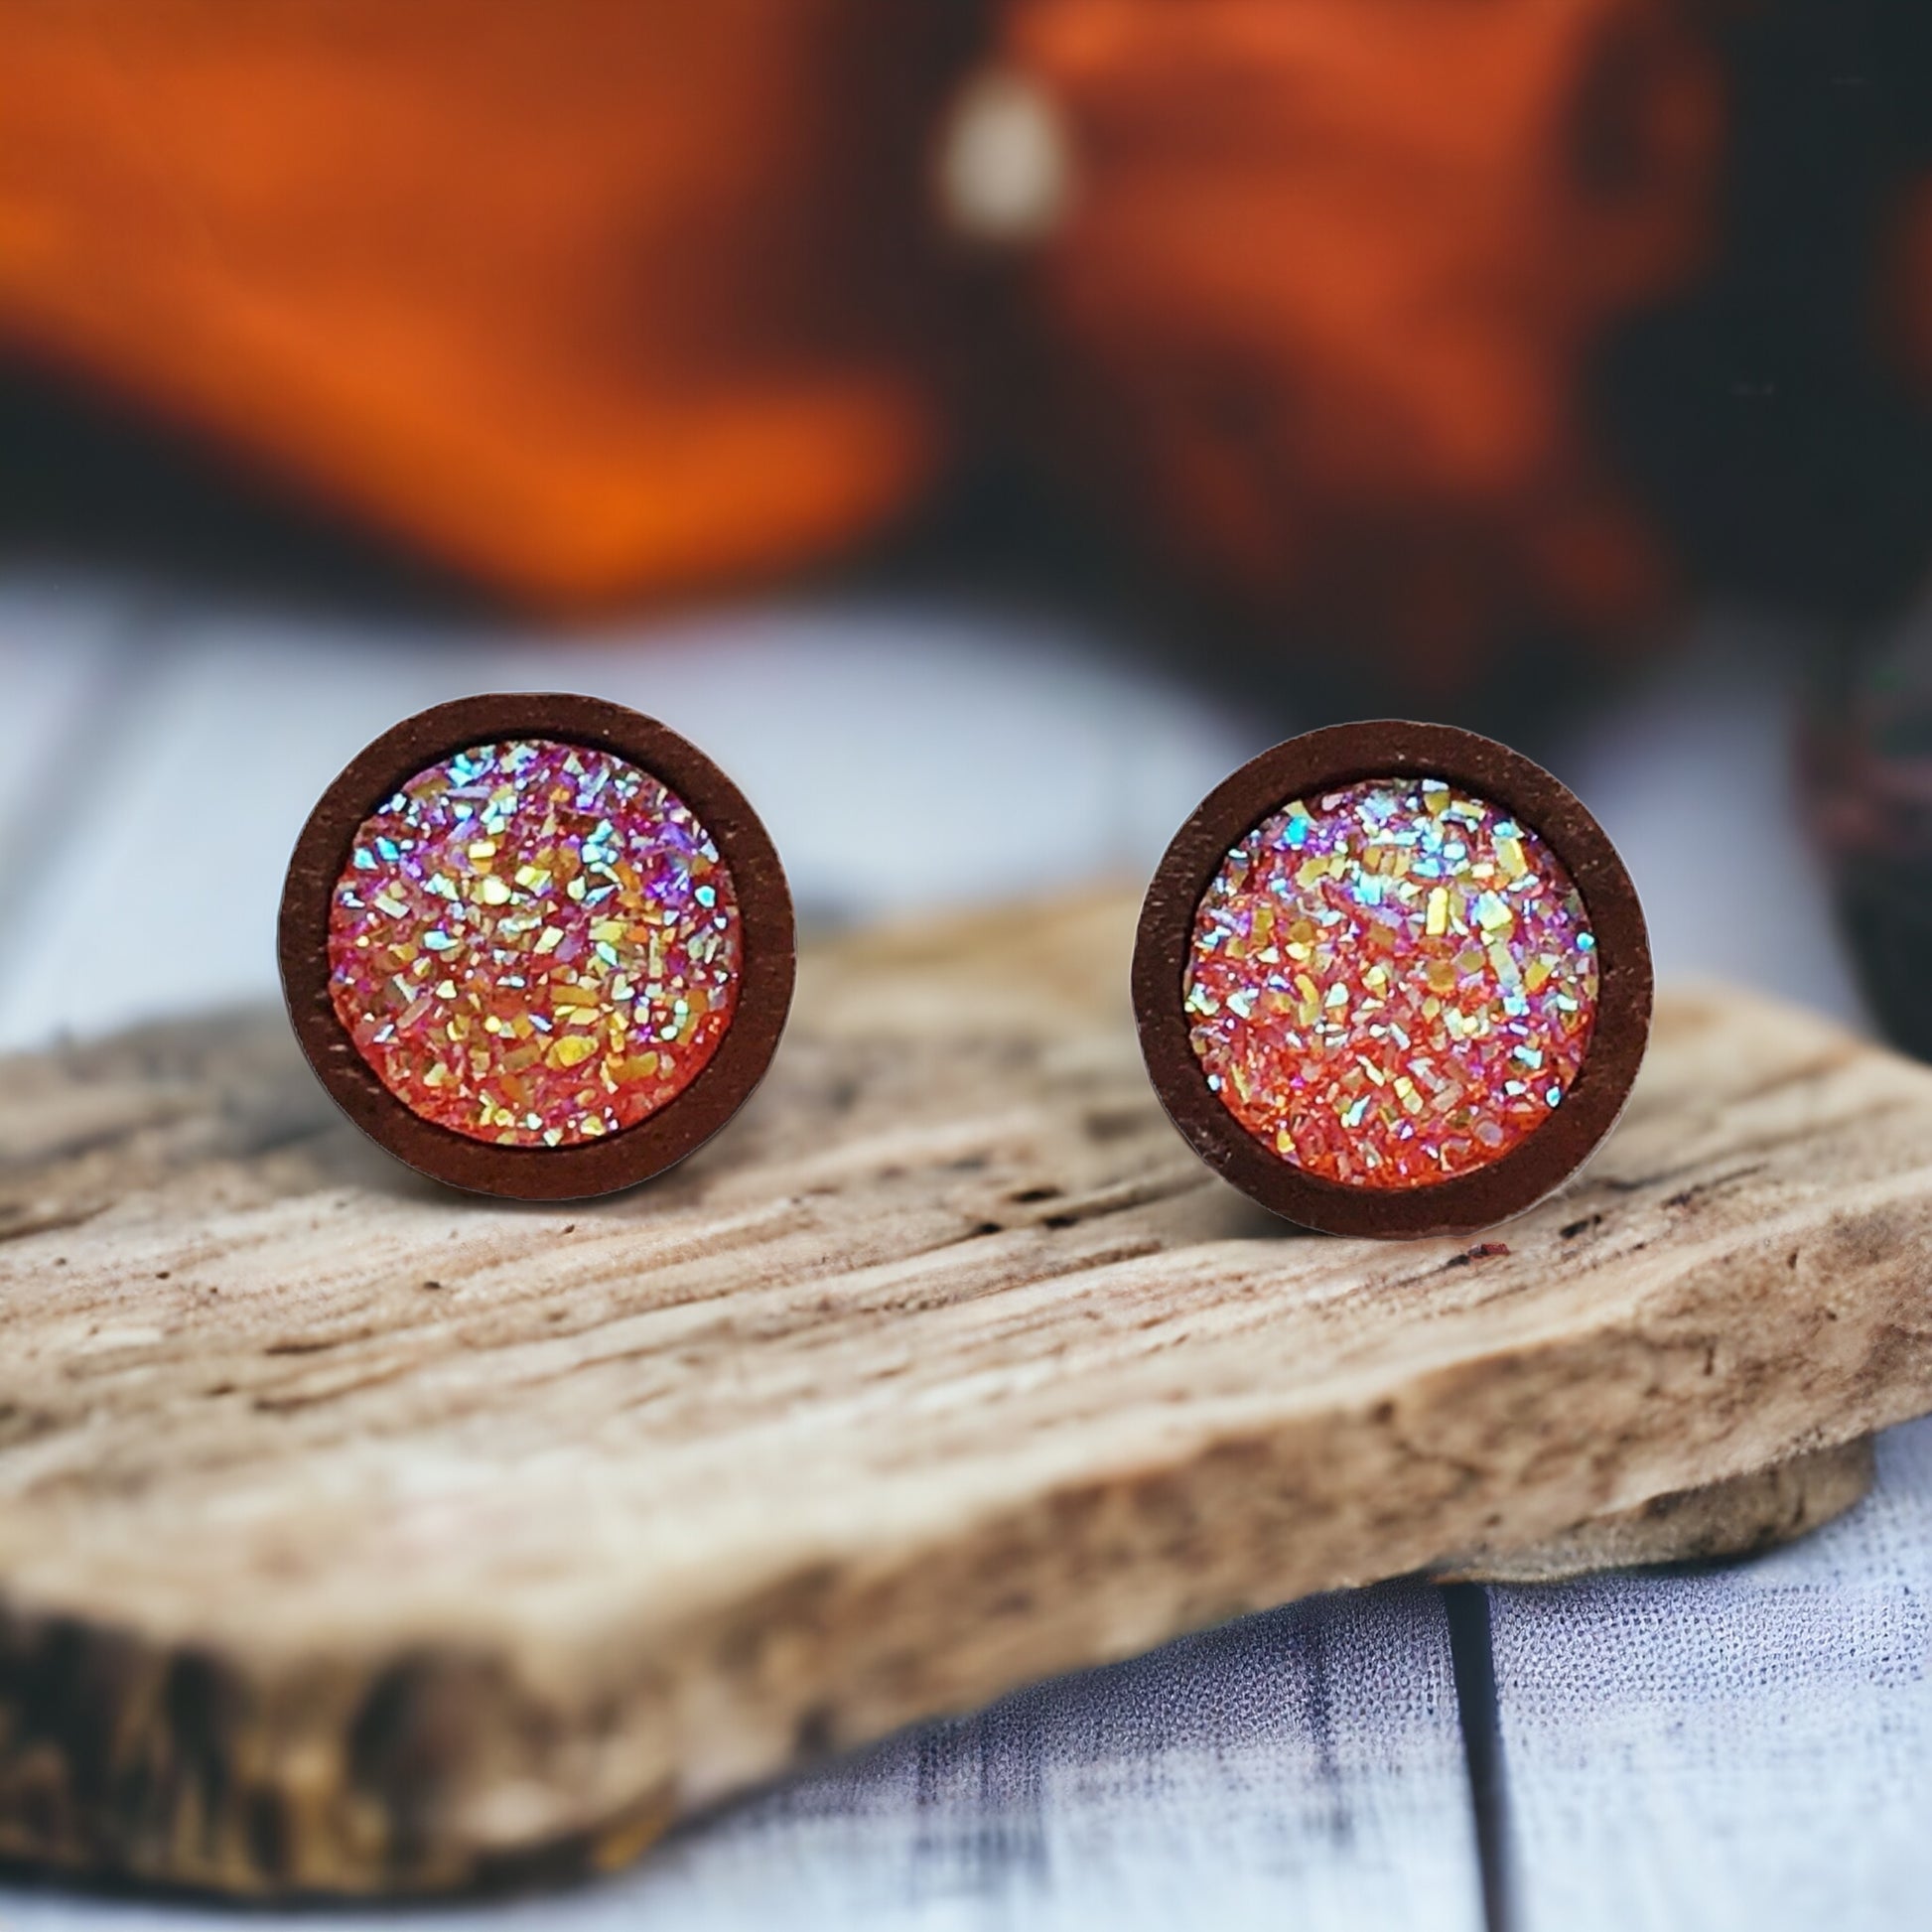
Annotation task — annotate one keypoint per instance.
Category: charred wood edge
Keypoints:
(129, 1760)
(124, 1758)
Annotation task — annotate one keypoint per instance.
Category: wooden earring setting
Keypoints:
(537, 945)
(1393, 979)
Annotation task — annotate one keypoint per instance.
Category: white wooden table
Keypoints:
(1737, 1748)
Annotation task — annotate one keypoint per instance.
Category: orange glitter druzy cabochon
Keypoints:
(1391, 984)
(534, 943)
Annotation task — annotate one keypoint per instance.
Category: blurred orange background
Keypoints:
(1411, 324)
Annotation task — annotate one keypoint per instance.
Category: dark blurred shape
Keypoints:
(1771, 418)
(594, 298)
(1814, 481)
(1322, 313)
(1867, 763)
(87, 487)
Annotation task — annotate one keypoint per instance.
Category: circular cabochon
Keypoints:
(1393, 979)
(537, 945)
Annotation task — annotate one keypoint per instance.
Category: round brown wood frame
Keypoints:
(1321, 762)
(524, 1172)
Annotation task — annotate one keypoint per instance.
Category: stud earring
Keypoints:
(1393, 979)
(535, 945)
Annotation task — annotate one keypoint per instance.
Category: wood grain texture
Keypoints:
(1738, 1517)
(357, 1537)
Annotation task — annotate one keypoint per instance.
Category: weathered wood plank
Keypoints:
(384, 1538)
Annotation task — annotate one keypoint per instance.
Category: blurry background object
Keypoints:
(1869, 766)
(585, 300)
(1768, 416)
(1367, 343)
(1322, 313)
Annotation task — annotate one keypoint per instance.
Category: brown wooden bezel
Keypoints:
(1321, 762)
(523, 1172)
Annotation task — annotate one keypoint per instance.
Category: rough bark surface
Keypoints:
(356, 1536)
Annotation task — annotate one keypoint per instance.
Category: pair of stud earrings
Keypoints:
(1391, 978)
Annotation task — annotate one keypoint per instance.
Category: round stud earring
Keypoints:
(1392, 979)
(537, 945)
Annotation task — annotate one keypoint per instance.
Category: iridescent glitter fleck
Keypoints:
(534, 944)
(1391, 984)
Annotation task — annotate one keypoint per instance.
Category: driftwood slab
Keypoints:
(357, 1536)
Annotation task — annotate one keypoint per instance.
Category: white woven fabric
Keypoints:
(1743, 1749)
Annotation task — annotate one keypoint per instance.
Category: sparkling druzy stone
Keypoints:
(534, 944)
(1391, 984)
